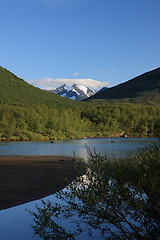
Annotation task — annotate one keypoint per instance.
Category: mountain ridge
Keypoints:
(75, 92)
(15, 91)
(29, 113)
(145, 87)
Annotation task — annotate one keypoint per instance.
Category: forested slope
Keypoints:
(142, 89)
(28, 113)
(43, 123)
(15, 91)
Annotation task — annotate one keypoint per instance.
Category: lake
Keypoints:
(15, 223)
(118, 147)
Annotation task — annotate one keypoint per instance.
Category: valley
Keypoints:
(29, 113)
(36, 119)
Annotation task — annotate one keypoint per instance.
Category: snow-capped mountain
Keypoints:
(76, 92)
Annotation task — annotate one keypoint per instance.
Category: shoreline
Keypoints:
(89, 137)
(28, 178)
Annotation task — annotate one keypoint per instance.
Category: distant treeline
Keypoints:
(85, 120)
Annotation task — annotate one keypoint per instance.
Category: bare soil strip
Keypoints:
(27, 178)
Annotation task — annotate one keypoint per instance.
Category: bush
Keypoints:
(120, 199)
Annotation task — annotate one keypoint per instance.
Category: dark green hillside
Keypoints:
(28, 113)
(15, 91)
(143, 89)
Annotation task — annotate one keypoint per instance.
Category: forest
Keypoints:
(40, 122)
(29, 113)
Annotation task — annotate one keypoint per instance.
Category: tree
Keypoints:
(120, 199)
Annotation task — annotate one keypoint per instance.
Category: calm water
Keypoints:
(15, 223)
(119, 147)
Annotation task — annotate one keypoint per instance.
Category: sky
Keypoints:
(96, 43)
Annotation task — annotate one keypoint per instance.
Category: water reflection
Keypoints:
(15, 223)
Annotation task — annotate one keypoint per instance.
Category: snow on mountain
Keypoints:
(62, 89)
(76, 92)
(82, 88)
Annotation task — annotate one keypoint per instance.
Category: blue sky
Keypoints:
(91, 42)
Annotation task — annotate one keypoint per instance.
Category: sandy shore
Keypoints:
(26, 178)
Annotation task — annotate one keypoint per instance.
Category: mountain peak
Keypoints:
(76, 92)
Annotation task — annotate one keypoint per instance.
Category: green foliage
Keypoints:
(110, 120)
(42, 122)
(15, 91)
(23, 123)
(28, 113)
(144, 89)
(121, 199)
